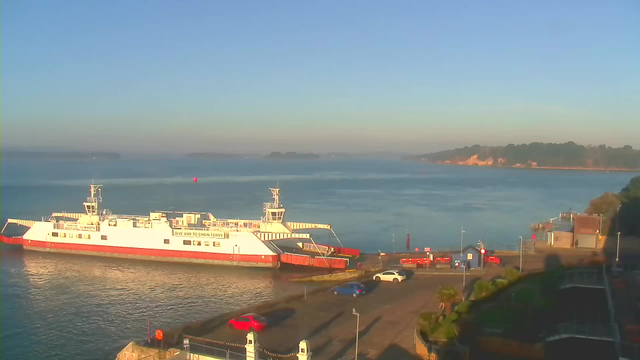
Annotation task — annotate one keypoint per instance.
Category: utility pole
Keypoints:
(461, 239)
(618, 249)
(520, 253)
(357, 330)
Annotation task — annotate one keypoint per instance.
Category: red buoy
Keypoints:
(195, 179)
(159, 334)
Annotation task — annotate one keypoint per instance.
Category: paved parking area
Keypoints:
(388, 314)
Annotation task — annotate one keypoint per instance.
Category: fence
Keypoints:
(208, 350)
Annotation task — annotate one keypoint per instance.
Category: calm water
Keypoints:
(74, 307)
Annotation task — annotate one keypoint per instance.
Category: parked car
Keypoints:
(354, 289)
(248, 322)
(390, 275)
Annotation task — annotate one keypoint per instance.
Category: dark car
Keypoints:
(354, 289)
(248, 322)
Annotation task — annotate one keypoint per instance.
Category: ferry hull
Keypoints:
(266, 261)
(11, 240)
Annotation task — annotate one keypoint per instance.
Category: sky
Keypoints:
(321, 76)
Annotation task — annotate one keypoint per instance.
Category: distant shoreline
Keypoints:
(565, 168)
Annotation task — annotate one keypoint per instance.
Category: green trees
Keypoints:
(448, 295)
(620, 211)
(606, 205)
(630, 208)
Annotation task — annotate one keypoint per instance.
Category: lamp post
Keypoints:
(520, 253)
(357, 330)
(461, 238)
(393, 243)
(464, 277)
(618, 249)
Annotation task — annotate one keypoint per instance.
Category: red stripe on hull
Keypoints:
(155, 254)
(11, 240)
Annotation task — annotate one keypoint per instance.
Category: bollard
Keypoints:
(304, 353)
(252, 346)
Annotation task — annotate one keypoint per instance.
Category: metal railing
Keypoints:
(204, 349)
(582, 278)
(581, 329)
(612, 316)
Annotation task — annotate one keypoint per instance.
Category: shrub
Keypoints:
(501, 283)
(483, 288)
(463, 307)
(511, 274)
(427, 320)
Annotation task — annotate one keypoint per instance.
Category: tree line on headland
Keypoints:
(539, 155)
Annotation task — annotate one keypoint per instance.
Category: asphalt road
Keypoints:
(388, 314)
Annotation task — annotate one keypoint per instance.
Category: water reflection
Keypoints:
(115, 297)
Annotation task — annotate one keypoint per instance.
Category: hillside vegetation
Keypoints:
(567, 155)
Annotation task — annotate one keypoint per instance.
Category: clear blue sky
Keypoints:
(257, 76)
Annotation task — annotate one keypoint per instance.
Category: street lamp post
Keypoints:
(461, 238)
(393, 243)
(464, 278)
(357, 330)
(618, 249)
(520, 253)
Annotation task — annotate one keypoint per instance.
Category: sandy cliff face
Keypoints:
(473, 160)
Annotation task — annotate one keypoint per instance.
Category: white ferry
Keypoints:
(172, 236)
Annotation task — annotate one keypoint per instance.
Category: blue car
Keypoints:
(354, 289)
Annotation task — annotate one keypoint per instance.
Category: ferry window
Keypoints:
(79, 236)
(215, 243)
(103, 237)
(186, 242)
(54, 234)
(206, 243)
(197, 243)
(166, 241)
(63, 235)
(87, 236)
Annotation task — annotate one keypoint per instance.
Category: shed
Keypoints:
(470, 254)
(586, 231)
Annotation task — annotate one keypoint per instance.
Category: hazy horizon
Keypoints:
(357, 77)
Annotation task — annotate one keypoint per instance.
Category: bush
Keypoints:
(501, 283)
(453, 317)
(463, 307)
(483, 288)
(511, 274)
(427, 321)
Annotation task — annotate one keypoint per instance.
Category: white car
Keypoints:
(390, 275)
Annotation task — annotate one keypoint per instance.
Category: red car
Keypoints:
(492, 260)
(248, 322)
